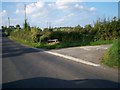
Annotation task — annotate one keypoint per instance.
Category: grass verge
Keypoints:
(73, 44)
(25, 42)
(112, 56)
(60, 44)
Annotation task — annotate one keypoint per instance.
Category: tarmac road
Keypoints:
(24, 67)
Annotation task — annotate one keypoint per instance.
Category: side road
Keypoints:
(87, 53)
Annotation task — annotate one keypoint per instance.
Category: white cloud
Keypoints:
(33, 10)
(42, 14)
(92, 9)
(71, 14)
(2, 13)
(59, 12)
(67, 1)
(34, 7)
(64, 4)
(59, 5)
(50, 5)
(64, 18)
(79, 6)
(19, 11)
(84, 8)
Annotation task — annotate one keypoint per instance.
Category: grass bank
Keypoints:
(24, 42)
(112, 56)
(60, 44)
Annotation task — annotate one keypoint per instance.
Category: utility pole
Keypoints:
(25, 21)
(25, 11)
(47, 24)
(8, 22)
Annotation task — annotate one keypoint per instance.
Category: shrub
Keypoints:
(112, 57)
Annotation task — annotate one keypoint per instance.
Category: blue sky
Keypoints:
(57, 13)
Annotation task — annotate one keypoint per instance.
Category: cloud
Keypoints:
(64, 4)
(19, 11)
(33, 10)
(64, 18)
(34, 7)
(59, 12)
(84, 8)
(2, 13)
(92, 9)
(71, 14)
(79, 6)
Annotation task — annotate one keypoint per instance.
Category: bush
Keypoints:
(35, 35)
(32, 35)
(112, 57)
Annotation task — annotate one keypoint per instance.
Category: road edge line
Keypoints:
(73, 58)
(70, 58)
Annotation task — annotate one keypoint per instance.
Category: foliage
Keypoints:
(8, 31)
(26, 25)
(35, 34)
(102, 30)
(112, 57)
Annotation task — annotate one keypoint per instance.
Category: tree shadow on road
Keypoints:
(45, 82)
(12, 49)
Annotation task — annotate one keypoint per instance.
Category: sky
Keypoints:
(56, 13)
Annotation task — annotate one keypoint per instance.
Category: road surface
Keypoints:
(24, 67)
(92, 54)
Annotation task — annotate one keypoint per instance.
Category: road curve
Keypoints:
(24, 67)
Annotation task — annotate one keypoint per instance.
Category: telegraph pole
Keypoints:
(8, 22)
(25, 12)
(25, 21)
(47, 24)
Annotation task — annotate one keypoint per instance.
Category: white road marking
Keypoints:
(70, 58)
(73, 58)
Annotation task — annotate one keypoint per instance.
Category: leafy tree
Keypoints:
(78, 28)
(17, 25)
(26, 25)
(88, 28)
(35, 34)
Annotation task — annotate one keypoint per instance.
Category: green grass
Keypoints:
(100, 42)
(112, 57)
(73, 44)
(61, 44)
(25, 42)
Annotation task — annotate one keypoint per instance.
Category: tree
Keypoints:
(3, 28)
(78, 27)
(18, 26)
(88, 28)
(26, 25)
